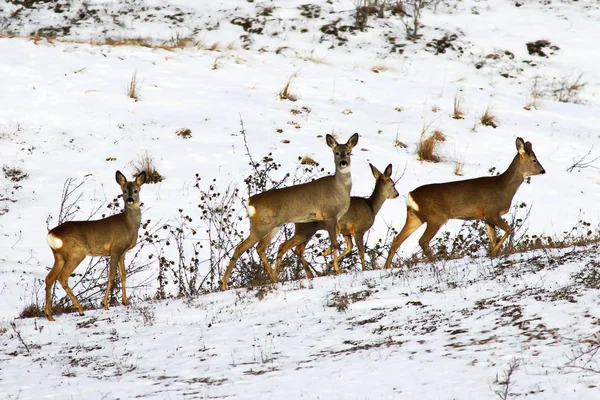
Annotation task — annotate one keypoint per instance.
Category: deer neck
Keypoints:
(133, 216)
(376, 199)
(343, 178)
(513, 177)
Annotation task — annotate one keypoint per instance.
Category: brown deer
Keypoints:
(72, 241)
(354, 223)
(325, 199)
(486, 198)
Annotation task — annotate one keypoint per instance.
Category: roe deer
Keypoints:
(325, 199)
(72, 241)
(486, 198)
(354, 223)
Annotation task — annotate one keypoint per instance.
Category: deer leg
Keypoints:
(412, 223)
(112, 271)
(64, 274)
(59, 262)
(502, 224)
(430, 231)
(331, 226)
(302, 234)
(359, 239)
(348, 249)
(299, 250)
(491, 231)
(250, 241)
(123, 276)
(261, 249)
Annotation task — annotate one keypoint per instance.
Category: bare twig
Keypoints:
(582, 163)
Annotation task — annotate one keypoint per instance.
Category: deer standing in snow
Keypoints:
(325, 199)
(486, 198)
(354, 223)
(113, 236)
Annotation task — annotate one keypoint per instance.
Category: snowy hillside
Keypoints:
(70, 109)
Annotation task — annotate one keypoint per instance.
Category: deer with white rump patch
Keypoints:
(325, 199)
(113, 236)
(354, 223)
(486, 198)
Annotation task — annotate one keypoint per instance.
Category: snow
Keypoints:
(447, 330)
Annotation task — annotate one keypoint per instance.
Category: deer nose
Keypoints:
(543, 171)
(343, 163)
(130, 200)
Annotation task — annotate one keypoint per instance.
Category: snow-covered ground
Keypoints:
(447, 330)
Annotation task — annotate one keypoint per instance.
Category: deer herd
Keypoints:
(323, 204)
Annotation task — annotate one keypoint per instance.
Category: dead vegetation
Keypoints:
(285, 93)
(134, 87)
(427, 146)
(145, 162)
(488, 118)
(184, 133)
(457, 112)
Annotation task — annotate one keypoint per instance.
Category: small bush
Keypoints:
(145, 162)
(32, 310)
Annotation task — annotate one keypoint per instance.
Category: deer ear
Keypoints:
(388, 171)
(331, 142)
(521, 146)
(353, 141)
(528, 147)
(141, 178)
(121, 180)
(375, 171)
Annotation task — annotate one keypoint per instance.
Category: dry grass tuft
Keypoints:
(184, 133)
(145, 162)
(427, 146)
(379, 68)
(308, 160)
(134, 88)
(458, 168)
(398, 143)
(488, 118)
(284, 93)
(458, 112)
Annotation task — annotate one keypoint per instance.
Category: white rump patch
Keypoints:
(410, 202)
(251, 211)
(53, 241)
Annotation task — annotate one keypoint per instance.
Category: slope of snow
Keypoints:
(64, 113)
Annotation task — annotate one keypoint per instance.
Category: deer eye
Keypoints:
(337, 153)
(135, 191)
(534, 160)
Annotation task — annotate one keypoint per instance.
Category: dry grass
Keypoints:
(184, 133)
(319, 61)
(435, 109)
(458, 168)
(457, 109)
(285, 93)
(427, 146)
(488, 118)
(308, 160)
(379, 68)
(533, 97)
(217, 62)
(398, 143)
(145, 162)
(134, 87)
